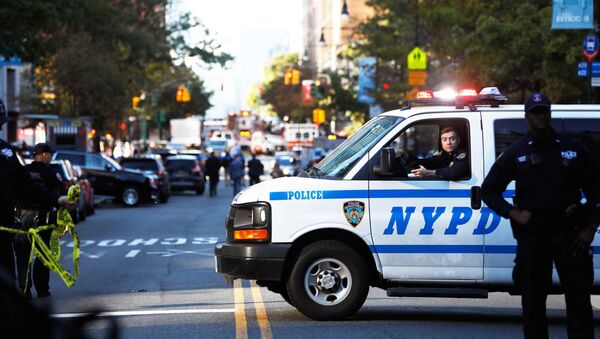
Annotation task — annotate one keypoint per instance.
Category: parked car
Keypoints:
(186, 173)
(152, 164)
(108, 178)
(64, 168)
(87, 191)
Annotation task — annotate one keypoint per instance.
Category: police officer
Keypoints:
(11, 178)
(44, 192)
(450, 163)
(550, 173)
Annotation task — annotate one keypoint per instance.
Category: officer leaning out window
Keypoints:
(450, 163)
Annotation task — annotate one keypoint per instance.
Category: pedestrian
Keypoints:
(255, 170)
(548, 221)
(225, 162)
(236, 173)
(12, 179)
(276, 172)
(213, 164)
(43, 193)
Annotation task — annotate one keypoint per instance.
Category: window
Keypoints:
(507, 131)
(75, 159)
(586, 131)
(344, 157)
(95, 162)
(419, 145)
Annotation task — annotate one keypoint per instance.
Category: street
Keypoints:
(151, 268)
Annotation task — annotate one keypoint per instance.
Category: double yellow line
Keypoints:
(241, 324)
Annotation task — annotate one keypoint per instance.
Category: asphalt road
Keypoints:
(151, 269)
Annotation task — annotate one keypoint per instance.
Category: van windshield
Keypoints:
(342, 159)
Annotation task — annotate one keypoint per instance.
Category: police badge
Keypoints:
(354, 211)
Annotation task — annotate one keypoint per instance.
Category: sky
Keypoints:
(253, 31)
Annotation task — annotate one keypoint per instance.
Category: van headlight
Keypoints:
(249, 222)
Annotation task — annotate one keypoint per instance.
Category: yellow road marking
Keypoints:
(241, 325)
(261, 313)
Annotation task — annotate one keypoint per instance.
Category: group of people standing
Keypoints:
(234, 168)
(29, 197)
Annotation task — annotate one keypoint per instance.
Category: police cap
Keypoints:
(41, 148)
(537, 101)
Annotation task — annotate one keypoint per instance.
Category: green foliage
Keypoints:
(96, 54)
(506, 43)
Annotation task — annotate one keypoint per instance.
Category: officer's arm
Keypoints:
(589, 181)
(495, 183)
(458, 170)
(55, 187)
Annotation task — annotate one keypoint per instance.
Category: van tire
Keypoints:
(334, 270)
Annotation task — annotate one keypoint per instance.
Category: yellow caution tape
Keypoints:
(49, 254)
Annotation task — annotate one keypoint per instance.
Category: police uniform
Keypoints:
(11, 173)
(549, 176)
(448, 165)
(35, 208)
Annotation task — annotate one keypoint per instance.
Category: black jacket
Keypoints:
(448, 166)
(44, 187)
(12, 180)
(549, 177)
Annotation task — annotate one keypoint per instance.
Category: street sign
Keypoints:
(417, 78)
(573, 14)
(417, 60)
(596, 69)
(582, 69)
(590, 46)
(595, 82)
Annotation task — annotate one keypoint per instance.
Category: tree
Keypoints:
(508, 44)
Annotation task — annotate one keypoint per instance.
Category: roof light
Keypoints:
(467, 92)
(490, 91)
(446, 93)
(424, 95)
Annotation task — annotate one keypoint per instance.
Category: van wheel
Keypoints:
(329, 281)
(130, 196)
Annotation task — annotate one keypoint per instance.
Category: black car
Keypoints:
(151, 165)
(109, 178)
(186, 173)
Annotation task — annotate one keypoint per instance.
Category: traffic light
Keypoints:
(295, 77)
(318, 116)
(135, 102)
(183, 95)
(287, 78)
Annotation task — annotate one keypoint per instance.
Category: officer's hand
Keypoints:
(422, 172)
(520, 217)
(64, 202)
(584, 239)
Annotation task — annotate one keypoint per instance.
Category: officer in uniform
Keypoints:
(450, 163)
(11, 174)
(549, 223)
(44, 192)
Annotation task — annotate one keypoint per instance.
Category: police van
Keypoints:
(359, 219)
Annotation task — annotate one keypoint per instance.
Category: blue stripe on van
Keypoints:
(451, 249)
(376, 194)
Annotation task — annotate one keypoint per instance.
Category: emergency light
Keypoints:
(464, 97)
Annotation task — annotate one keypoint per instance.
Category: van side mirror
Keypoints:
(386, 158)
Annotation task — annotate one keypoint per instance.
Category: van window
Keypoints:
(342, 159)
(586, 131)
(507, 131)
(420, 145)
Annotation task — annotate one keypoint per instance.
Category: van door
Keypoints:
(425, 228)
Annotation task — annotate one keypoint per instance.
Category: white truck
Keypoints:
(358, 219)
(186, 132)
